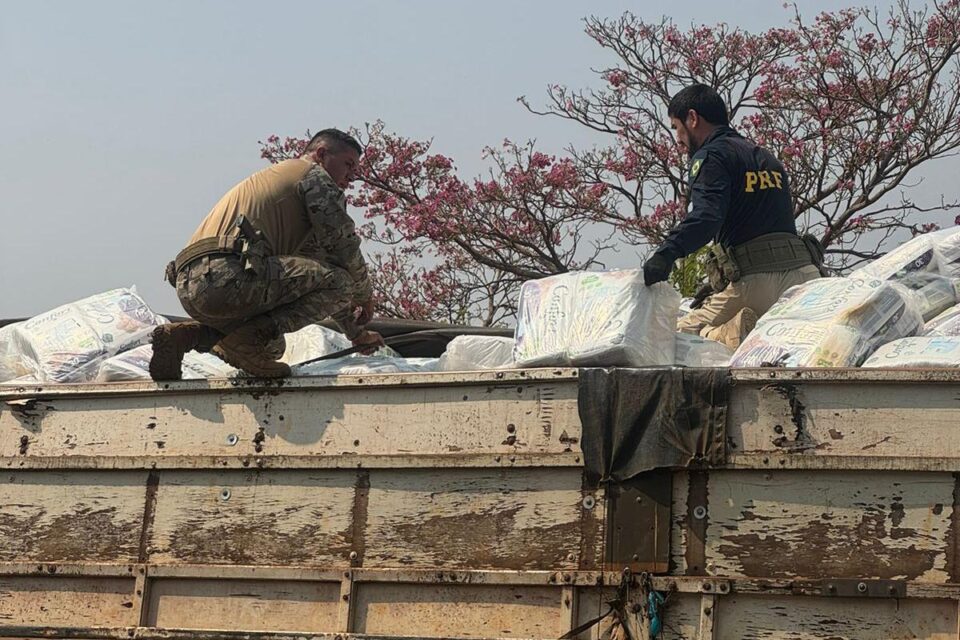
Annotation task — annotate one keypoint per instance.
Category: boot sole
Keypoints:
(245, 365)
(165, 365)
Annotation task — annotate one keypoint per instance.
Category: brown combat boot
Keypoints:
(172, 341)
(252, 347)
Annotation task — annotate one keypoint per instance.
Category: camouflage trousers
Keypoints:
(293, 291)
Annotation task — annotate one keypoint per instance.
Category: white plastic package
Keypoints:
(312, 342)
(473, 353)
(945, 324)
(364, 365)
(596, 319)
(946, 251)
(12, 362)
(915, 255)
(69, 343)
(935, 293)
(830, 322)
(922, 351)
(135, 365)
(694, 351)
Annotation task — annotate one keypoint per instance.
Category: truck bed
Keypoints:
(460, 505)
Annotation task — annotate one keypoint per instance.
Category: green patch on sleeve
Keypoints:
(695, 163)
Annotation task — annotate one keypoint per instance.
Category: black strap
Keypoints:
(392, 341)
(618, 606)
(573, 633)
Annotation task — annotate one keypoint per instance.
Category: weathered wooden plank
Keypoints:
(748, 618)
(493, 417)
(299, 518)
(468, 611)
(70, 517)
(697, 522)
(678, 523)
(787, 524)
(592, 603)
(593, 517)
(243, 605)
(908, 420)
(471, 518)
(67, 601)
(638, 523)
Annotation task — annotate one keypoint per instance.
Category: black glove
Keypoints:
(702, 294)
(656, 269)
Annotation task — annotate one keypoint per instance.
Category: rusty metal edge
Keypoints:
(149, 511)
(681, 584)
(813, 460)
(848, 375)
(491, 459)
(10, 392)
(153, 633)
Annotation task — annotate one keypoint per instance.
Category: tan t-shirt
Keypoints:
(300, 211)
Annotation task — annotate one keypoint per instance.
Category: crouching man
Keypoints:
(276, 253)
(739, 197)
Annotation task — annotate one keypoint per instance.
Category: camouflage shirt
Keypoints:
(333, 237)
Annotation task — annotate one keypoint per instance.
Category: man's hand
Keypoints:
(656, 269)
(365, 313)
(371, 340)
(702, 294)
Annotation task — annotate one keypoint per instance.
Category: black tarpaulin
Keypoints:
(637, 420)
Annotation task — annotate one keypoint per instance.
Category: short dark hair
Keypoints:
(335, 138)
(701, 98)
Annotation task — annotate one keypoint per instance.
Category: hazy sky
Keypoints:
(123, 122)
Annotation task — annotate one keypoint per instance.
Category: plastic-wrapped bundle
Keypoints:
(694, 351)
(921, 351)
(945, 324)
(935, 293)
(135, 365)
(473, 353)
(946, 250)
(12, 362)
(830, 322)
(365, 365)
(543, 316)
(312, 342)
(596, 319)
(69, 343)
(913, 256)
(917, 263)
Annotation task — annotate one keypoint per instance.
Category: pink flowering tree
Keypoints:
(851, 102)
(457, 250)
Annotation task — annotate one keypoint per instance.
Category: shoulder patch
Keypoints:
(696, 162)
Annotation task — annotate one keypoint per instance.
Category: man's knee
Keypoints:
(733, 331)
(690, 323)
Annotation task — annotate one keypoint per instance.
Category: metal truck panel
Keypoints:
(457, 505)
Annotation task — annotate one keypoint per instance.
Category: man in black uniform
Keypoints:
(739, 196)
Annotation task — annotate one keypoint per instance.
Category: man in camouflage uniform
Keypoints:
(276, 253)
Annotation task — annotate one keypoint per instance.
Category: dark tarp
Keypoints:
(637, 420)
